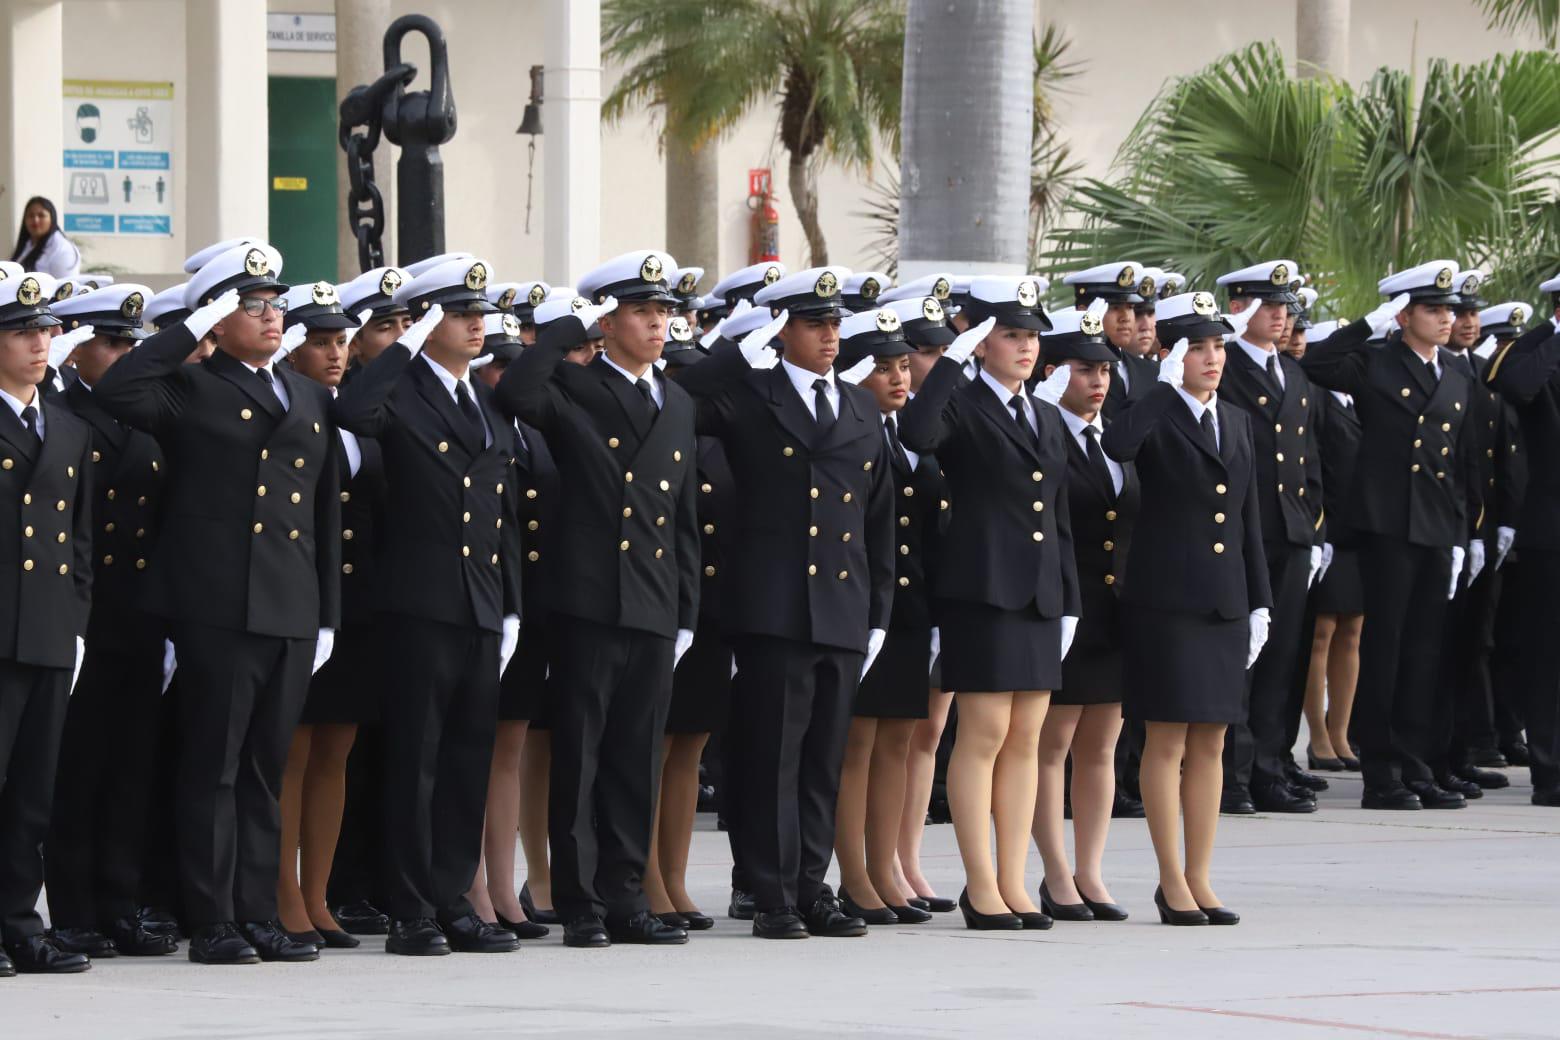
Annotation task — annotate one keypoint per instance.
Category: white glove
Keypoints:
(481, 362)
(680, 647)
(588, 314)
(202, 319)
(1387, 311)
(755, 347)
(61, 346)
(961, 349)
(1485, 350)
(508, 639)
(1316, 565)
(1051, 389)
(936, 649)
(1475, 559)
(1098, 307)
(422, 328)
(1504, 536)
(859, 371)
(1239, 321)
(660, 364)
(708, 339)
(1457, 566)
(1069, 629)
(1327, 559)
(81, 653)
(362, 317)
(170, 664)
(292, 339)
(1259, 634)
(325, 643)
(875, 639)
(1172, 369)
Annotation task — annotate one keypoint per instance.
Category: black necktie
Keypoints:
(468, 408)
(1097, 458)
(895, 447)
(1272, 369)
(1017, 404)
(269, 381)
(1430, 367)
(30, 420)
(651, 408)
(825, 410)
(1209, 433)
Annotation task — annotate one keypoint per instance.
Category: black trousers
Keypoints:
(107, 771)
(440, 712)
(32, 716)
(1465, 703)
(1400, 654)
(1507, 695)
(240, 700)
(731, 796)
(160, 844)
(614, 687)
(1536, 587)
(790, 714)
(1256, 750)
(354, 872)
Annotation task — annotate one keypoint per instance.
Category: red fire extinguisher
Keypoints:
(764, 229)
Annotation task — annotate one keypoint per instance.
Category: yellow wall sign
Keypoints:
(289, 184)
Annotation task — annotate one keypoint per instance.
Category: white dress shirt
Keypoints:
(803, 381)
(448, 382)
(350, 445)
(276, 384)
(656, 390)
(1259, 357)
(1076, 425)
(1006, 397)
(1197, 408)
(16, 406)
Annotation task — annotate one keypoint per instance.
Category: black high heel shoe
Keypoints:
(532, 911)
(335, 939)
(878, 915)
(974, 919)
(1034, 922)
(1327, 765)
(523, 929)
(1101, 911)
(934, 904)
(910, 914)
(697, 921)
(1220, 915)
(1350, 763)
(1177, 917)
(1064, 911)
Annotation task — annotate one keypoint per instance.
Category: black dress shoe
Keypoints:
(134, 939)
(1220, 915)
(1126, 807)
(1548, 797)
(88, 942)
(221, 944)
(524, 929)
(646, 929)
(1279, 798)
(361, 918)
(1329, 765)
(1487, 779)
(879, 915)
(1487, 757)
(335, 939)
(698, 921)
(974, 919)
(7, 969)
(911, 914)
(1236, 801)
(586, 933)
(1063, 911)
(1297, 777)
(37, 955)
(1101, 911)
(1167, 915)
(535, 912)
(1456, 784)
(274, 944)
(780, 923)
(1393, 797)
(825, 918)
(1516, 753)
(416, 937)
(1434, 796)
(935, 904)
(158, 920)
(470, 934)
(741, 907)
(308, 938)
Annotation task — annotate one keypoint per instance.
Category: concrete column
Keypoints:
(360, 60)
(571, 140)
(1322, 38)
(692, 186)
(228, 138)
(32, 66)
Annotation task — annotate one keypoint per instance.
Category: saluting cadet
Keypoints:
(810, 587)
(1117, 284)
(109, 750)
(1197, 593)
(246, 570)
(1271, 388)
(449, 600)
(861, 290)
(744, 283)
(684, 284)
(1418, 504)
(1084, 720)
(1145, 343)
(624, 588)
(387, 319)
(1526, 372)
(1006, 588)
(46, 544)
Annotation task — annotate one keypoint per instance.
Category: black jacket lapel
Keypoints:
(236, 372)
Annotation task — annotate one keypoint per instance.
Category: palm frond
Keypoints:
(1541, 17)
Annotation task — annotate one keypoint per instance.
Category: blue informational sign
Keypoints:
(118, 158)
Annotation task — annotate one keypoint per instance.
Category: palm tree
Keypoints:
(833, 64)
(1241, 160)
(1538, 16)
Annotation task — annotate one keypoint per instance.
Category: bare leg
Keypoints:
(1202, 781)
(983, 726)
(886, 806)
(535, 762)
(1093, 793)
(1316, 688)
(1343, 675)
(503, 819)
(654, 887)
(850, 814)
(679, 807)
(324, 799)
(1048, 828)
(1164, 746)
(290, 907)
(1013, 796)
(920, 768)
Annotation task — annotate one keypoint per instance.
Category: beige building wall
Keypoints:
(1127, 51)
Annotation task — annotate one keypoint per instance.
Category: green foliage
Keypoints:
(1541, 17)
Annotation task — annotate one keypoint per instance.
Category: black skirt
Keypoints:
(898, 684)
(1091, 675)
(1342, 590)
(986, 649)
(345, 691)
(1184, 667)
(522, 692)
(701, 685)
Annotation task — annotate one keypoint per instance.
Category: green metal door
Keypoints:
(303, 176)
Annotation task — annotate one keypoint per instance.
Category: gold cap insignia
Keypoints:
(537, 295)
(65, 291)
(1280, 275)
(1029, 293)
(1126, 276)
(887, 321)
(771, 275)
(686, 283)
(1470, 284)
(932, 310)
(133, 305)
(1145, 288)
(650, 270)
(511, 326)
(941, 290)
(1443, 278)
(679, 329)
(506, 299)
(1202, 303)
(476, 278)
(390, 281)
(323, 294)
(257, 263)
(827, 285)
(29, 293)
(578, 304)
(1090, 324)
(1517, 315)
(870, 289)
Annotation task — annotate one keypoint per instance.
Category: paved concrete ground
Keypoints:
(1432, 924)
